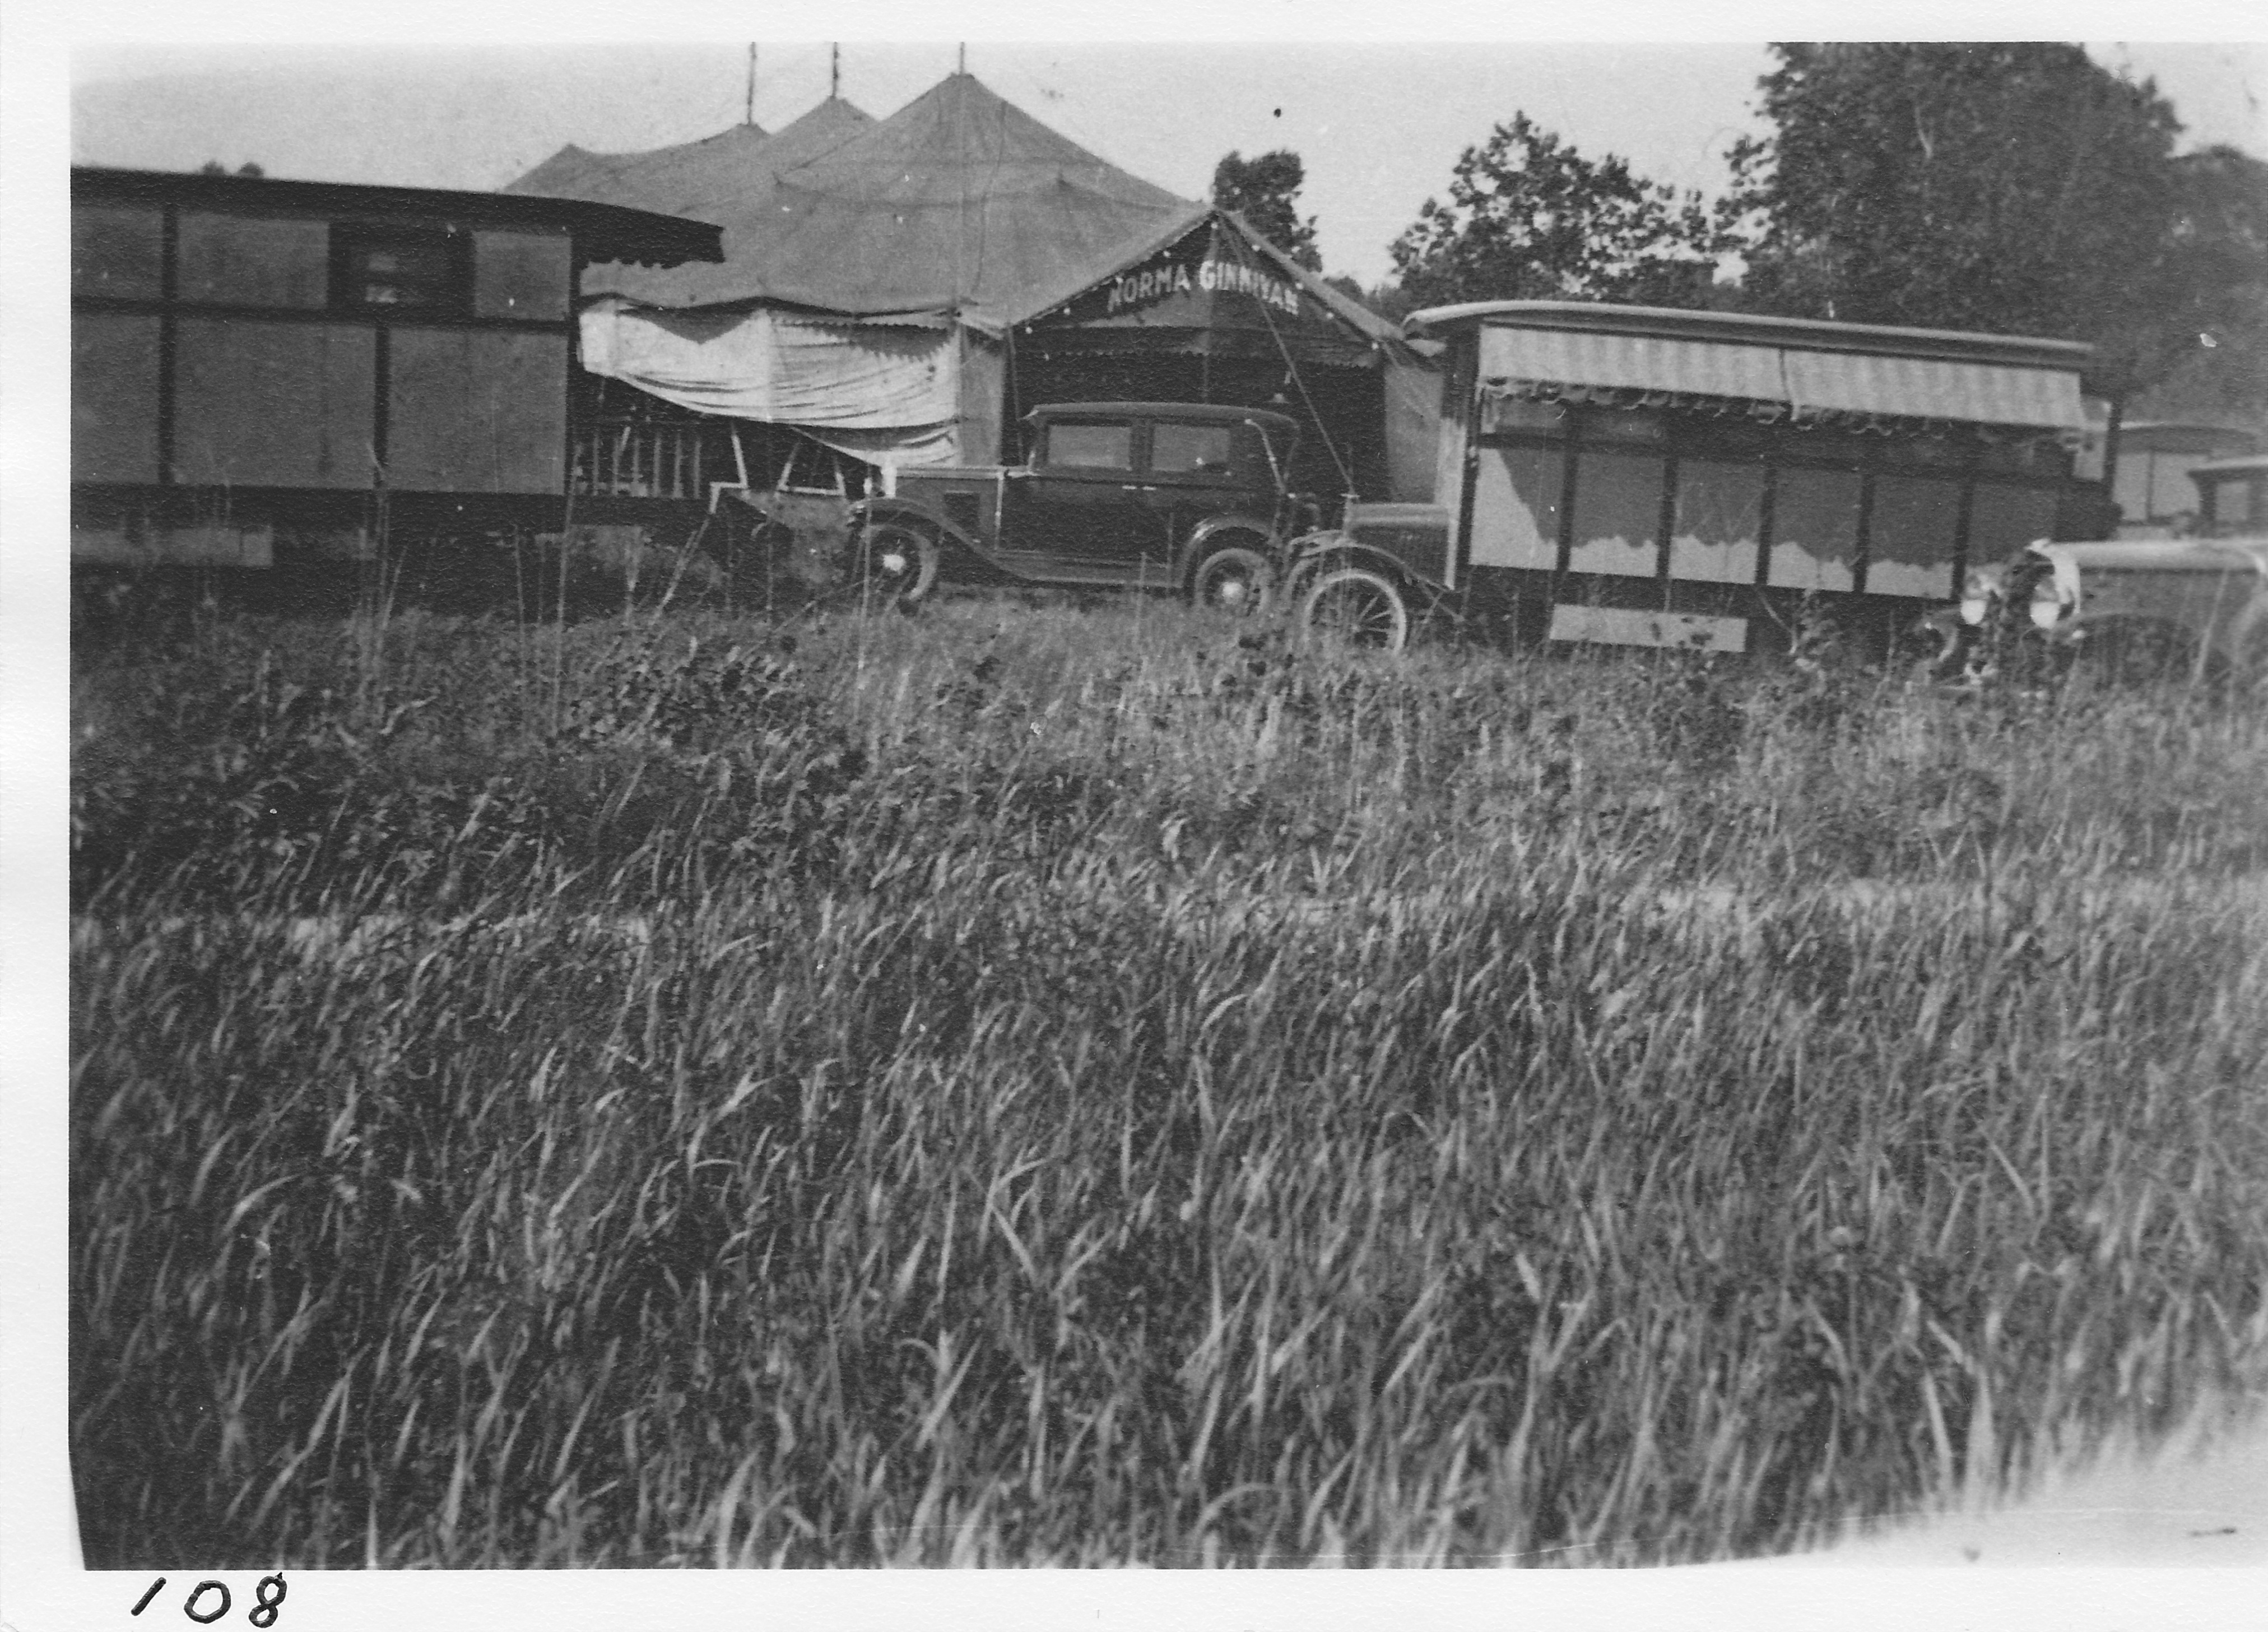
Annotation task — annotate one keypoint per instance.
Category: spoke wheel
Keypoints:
(1357, 607)
(892, 565)
(1236, 581)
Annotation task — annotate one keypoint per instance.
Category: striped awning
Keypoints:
(1632, 362)
(1816, 386)
(1837, 383)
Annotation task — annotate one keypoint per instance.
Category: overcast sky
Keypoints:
(1379, 125)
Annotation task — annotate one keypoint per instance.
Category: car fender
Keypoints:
(1205, 533)
(905, 510)
(1337, 546)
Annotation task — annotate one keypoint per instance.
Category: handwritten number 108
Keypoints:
(208, 1600)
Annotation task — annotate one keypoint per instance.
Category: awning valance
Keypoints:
(1810, 386)
(1821, 383)
(1632, 362)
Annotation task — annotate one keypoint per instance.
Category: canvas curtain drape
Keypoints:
(887, 394)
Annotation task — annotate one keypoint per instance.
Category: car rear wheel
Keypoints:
(892, 565)
(1236, 580)
(1356, 606)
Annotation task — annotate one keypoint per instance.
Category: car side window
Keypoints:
(1089, 448)
(1189, 450)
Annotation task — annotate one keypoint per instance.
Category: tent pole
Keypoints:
(750, 118)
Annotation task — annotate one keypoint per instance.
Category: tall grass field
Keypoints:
(1036, 1084)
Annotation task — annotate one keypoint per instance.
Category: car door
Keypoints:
(1194, 473)
(1081, 508)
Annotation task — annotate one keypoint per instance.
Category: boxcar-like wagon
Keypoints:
(1641, 476)
(268, 374)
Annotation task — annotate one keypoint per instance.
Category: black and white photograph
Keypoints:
(1264, 798)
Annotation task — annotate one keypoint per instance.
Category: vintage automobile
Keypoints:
(1178, 496)
(2133, 610)
(2130, 610)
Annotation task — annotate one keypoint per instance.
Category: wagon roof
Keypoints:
(1744, 328)
(2244, 466)
(1849, 374)
(605, 231)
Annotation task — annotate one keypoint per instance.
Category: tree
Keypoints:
(2218, 337)
(1530, 218)
(2010, 189)
(1265, 191)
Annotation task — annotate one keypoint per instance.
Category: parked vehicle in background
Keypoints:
(1633, 476)
(2151, 485)
(2232, 496)
(2130, 609)
(1179, 496)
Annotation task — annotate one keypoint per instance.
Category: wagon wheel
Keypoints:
(1356, 606)
(891, 564)
(1237, 580)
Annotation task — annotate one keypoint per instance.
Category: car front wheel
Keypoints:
(892, 565)
(1235, 581)
(1356, 606)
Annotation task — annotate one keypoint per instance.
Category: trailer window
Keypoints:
(1516, 508)
(406, 269)
(231, 260)
(116, 250)
(113, 397)
(1720, 513)
(1617, 514)
(1910, 536)
(1089, 448)
(1814, 529)
(520, 275)
(274, 404)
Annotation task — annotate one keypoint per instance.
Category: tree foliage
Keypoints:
(1529, 218)
(2219, 334)
(2011, 188)
(1265, 191)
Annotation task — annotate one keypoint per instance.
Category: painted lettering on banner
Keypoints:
(1152, 284)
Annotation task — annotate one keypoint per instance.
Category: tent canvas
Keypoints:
(880, 279)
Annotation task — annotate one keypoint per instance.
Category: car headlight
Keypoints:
(2048, 605)
(1977, 593)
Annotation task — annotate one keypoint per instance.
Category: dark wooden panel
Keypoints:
(273, 404)
(113, 398)
(521, 274)
(117, 251)
(232, 260)
(477, 410)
